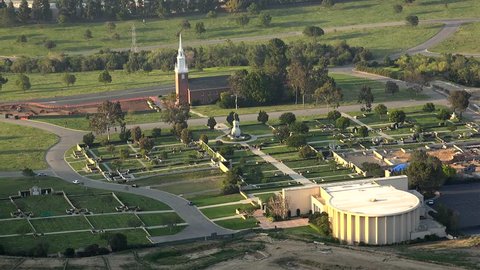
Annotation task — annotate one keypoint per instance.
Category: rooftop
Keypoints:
(371, 199)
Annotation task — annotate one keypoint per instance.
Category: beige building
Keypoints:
(376, 211)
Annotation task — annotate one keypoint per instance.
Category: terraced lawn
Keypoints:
(238, 223)
(16, 226)
(114, 221)
(146, 204)
(43, 206)
(95, 203)
(160, 219)
(46, 225)
(223, 211)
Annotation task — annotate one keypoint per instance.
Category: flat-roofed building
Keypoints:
(376, 211)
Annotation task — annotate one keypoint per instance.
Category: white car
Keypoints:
(430, 202)
(76, 182)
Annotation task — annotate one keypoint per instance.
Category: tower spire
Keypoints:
(180, 42)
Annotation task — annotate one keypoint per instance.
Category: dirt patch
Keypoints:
(289, 254)
(41, 109)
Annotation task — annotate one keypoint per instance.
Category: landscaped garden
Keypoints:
(50, 223)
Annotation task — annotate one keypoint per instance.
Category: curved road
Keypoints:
(199, 225)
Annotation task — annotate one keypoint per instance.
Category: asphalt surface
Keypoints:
(464, 199)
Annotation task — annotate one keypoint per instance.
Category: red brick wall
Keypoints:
(181, 88)
(206, 96)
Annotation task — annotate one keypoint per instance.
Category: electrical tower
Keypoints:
(134, 48)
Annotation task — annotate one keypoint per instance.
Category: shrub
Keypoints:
(296, 141)
(262, 117)
(287, 118)
(156, 132)
(429, 107)
(334, 115)
(306, 152)
(88, 139)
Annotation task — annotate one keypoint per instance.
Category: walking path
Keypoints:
(280, 166)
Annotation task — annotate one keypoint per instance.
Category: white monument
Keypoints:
(236, 132)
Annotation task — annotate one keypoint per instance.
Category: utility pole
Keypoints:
(134, 48)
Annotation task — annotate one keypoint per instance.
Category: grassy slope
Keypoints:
(51, 85)
(465, 40)
(22, 147)
(70, 38)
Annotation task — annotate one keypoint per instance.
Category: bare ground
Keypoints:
(278, 254)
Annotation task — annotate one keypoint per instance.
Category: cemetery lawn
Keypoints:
(238, 223)
(46, 225)
(114, 221)
(212, 200)
(162, 32)
(223, 211)
(20, 147)
(166, 231)
(160, 219)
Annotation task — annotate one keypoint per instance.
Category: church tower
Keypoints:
(181, 76)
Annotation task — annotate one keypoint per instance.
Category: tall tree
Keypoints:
(391, 87)
(23, 82)
(276, 60)
(8, 15)
(366, 97)
(108, 115)
(3, 81)
(425, 172)
(24, 11)
(329, 94)
(459, 101)
(297, 77)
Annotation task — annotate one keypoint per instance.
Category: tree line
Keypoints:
(94, 10)
(228, 54)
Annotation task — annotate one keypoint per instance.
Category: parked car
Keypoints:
(76, 181)
(41, 174)
(134, 185)
(430, 202)
(191, 203)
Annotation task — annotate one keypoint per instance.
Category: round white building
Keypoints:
(370, 213)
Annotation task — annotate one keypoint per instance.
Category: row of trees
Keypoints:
(91, 10)
(309, 54)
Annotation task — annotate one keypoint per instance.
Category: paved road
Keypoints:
(199, 225)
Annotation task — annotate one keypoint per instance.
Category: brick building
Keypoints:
(198, 91)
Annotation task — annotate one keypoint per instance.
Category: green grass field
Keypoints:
(166, 231)
(465, 40)
(6, 207)
(20, 147)
(160, 219)
(382, 41)
(238, 223)
(95, 203)
(223, 211)
(146, 204)
(162, 32)
(114, 221)
(16, 226)
(43, 206)
(46, 225)
(211, 200)
(50, 85)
